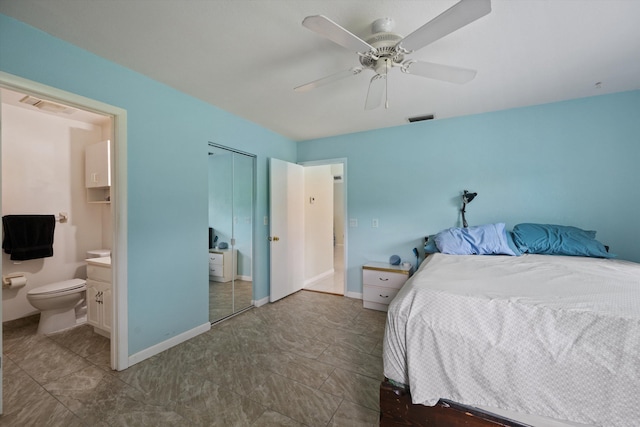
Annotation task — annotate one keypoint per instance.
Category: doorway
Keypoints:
(325, 179)
(318, 247)
(117, 199)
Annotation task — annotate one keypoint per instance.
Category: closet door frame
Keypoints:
(253, 158)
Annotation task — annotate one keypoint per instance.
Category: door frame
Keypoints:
(343, 161)
(119, 332)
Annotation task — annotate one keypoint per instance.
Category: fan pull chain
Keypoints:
(386, 84)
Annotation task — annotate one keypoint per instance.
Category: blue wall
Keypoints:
(168, 135)
(573, 163)
(569, 163)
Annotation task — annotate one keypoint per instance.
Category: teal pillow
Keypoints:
(430, 245)
(550, 239)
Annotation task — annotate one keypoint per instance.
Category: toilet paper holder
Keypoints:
(6, 280)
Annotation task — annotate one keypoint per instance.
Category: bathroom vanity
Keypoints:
(99, 295)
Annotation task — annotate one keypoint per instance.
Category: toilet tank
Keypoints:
(98, 253)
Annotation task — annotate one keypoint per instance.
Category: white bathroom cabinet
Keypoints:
(99, 296)
(98, 172)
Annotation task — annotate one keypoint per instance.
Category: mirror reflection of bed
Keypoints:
(231, 204)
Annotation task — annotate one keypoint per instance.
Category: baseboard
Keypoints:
(245, 278)
(355, 295)
(318, 277)
(260, 302)
(165, 345)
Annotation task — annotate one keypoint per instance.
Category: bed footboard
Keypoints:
(397, 410)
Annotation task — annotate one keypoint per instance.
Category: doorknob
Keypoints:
(274, 238)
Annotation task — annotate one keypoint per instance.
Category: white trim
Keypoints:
(355, 295)
(167, 344)
(260, 302)
(119, 333)
(319, 277)
(245, 278)
(342, 160)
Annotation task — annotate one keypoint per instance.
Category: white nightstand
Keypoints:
(381, 282)
(223, 264)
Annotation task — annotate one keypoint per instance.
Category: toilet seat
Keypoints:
(58, 288)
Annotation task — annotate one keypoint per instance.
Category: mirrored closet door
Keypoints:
(231, 206)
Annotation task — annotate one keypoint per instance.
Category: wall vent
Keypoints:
(49, 106)
(421, 118)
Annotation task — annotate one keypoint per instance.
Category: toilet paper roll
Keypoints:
(17, 282)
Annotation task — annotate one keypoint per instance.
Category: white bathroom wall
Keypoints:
(43, 173)
(318, 217)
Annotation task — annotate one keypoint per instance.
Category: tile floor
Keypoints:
(311, 359)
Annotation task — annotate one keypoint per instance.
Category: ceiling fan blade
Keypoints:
(328, 79)
(337, 34)
(376, 90)
(439, 71)
(452, 19)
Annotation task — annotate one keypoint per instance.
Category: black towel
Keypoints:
(28, 236)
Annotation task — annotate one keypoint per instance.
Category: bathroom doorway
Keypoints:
(80, 216)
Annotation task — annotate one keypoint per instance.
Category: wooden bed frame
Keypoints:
(396, 409)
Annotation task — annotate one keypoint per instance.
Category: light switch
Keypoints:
(374, 223)
(353, 222)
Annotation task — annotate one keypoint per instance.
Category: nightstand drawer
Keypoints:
(378, 294)
(216, 270)
(215, 258)
(383, 278)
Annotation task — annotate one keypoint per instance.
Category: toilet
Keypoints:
(57, 301)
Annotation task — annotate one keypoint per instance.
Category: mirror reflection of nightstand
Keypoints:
(223, 264)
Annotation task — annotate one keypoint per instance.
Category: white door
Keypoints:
(286, 188)
(1, 331)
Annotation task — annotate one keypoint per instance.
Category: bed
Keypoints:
(536, 339)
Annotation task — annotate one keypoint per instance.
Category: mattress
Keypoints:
(552, 336)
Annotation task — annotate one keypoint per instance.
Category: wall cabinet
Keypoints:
(223, 264)
(98, 172)
(381, 282)
(99, 298)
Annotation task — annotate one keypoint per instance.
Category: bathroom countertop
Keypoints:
(100, 262)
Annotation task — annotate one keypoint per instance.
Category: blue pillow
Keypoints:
(550, 239)
(489, 239)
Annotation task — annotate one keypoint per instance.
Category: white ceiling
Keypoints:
(246, 56)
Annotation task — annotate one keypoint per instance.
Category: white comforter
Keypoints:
(548, 335)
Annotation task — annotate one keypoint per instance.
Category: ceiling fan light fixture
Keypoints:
(383, 25)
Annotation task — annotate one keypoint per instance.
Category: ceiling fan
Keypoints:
(385, 49)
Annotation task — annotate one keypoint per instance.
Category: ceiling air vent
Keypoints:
(421, 118)
(49, 106)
